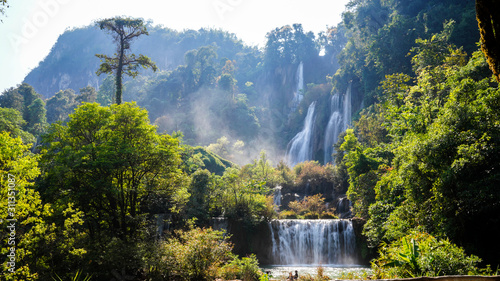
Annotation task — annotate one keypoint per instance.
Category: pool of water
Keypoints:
(331, 270)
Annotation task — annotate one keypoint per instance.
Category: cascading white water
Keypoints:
(277, 196)
(334, 127)
(315, 242)
(348, 107)
(299, 88)
(300, 147)
(340, 119)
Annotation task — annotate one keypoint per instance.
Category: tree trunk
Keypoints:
(488, 20)
(119, 72)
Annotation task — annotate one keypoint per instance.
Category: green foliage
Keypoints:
(202, 191)
(12, 122)
(261, 170)
(373, 51)
(106, 91)
(311, 207)
(36, 228)
(242, 200)
(21, 209)
(211, 161)
(196, 254)
(362, 178)
(430, 168)
(118, 161)
(60, 106)
(420, 254)
(313, 173)
(289, 45)
(30, 106)
(245, 269)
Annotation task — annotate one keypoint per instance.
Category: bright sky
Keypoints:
(31, 27)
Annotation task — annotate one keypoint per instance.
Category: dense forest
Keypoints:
(95, 190)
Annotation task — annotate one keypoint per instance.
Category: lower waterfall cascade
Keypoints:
(315, 242)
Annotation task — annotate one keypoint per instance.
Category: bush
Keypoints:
(246, 269)
(420, 254)
(288, 214)
(311, 207)
(197, 254)
(328, 215)
(311, 215)
(313, 174)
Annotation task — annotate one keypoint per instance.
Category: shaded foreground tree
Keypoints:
(488, 21)
(124, 31)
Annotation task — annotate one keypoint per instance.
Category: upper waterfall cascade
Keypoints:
(298, 94)
(340, 120)
(300, 147)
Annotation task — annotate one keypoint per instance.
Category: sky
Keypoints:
(31, 27)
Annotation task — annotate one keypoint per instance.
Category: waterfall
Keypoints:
(334, 127)
(277, 196)
(300, 147)
(299, 88)
(315, 242)
(348, 107)
(340, 119)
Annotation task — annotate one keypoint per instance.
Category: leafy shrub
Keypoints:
(246, 269)
(311, 215)
(328, 215)
(197, 254)
(288, 214)
(313, 174)
(311, 207)
(420, 254)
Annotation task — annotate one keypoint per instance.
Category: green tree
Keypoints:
(12, 122)
(361, 167)
(60, 106)
(21, 208)
(123, 31)
(201, 190)
(29, 104)
(37, 121)
(420, 254)
(44, 238)
(106, 91)
(118, 163)
(289, 45)
(12, 99)
(196, 254)
(87, 94)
